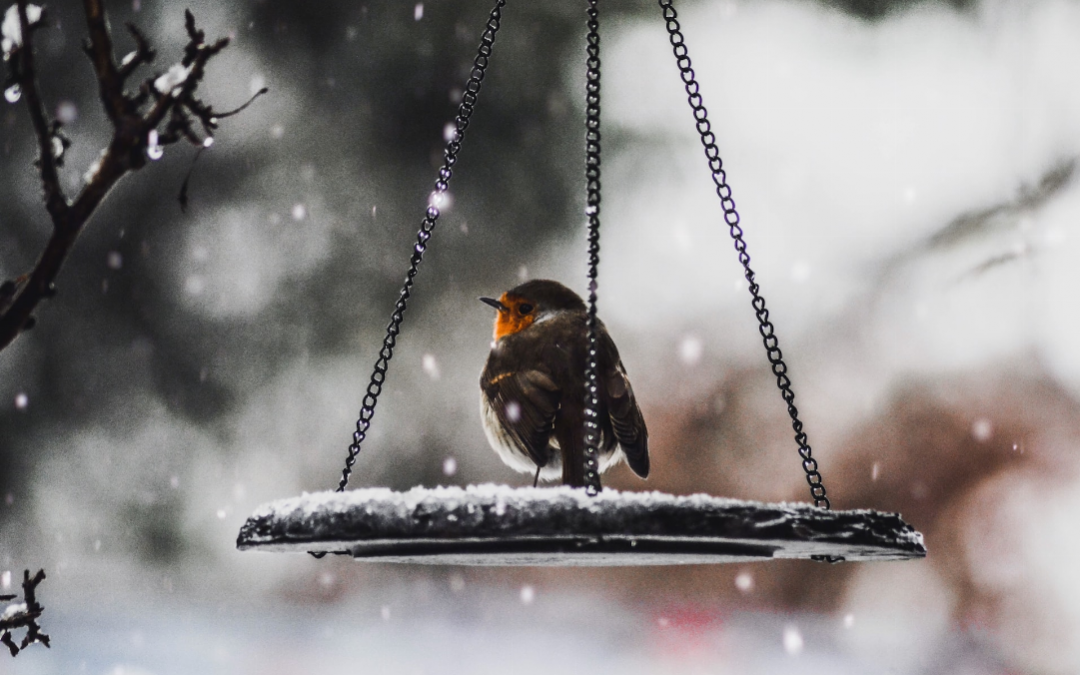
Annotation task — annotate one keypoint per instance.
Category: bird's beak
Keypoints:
(494, 303)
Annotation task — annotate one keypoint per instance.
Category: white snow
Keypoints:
(173, 79)
(691, 349)
(382, 516)
(13, 610)
(153, 149)
(430, 366)
(528, 594)
(128, 59)
(11, 29)
(315, 502)
(793, 640)
(95, 166)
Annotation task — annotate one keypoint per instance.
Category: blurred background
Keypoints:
(906, 173)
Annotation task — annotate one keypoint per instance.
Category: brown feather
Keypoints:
(533, 389)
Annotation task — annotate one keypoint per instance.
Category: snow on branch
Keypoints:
(23, 614)
(11, 29)
(161, 110)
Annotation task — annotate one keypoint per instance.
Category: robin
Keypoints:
(532, 390)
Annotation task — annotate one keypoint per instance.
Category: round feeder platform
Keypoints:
(500, 525)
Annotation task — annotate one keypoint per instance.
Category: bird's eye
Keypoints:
(525, 308)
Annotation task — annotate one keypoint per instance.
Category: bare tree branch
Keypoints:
(99, 49)
(55, 202)
(23, 615)
(143, 53)
(171, 101)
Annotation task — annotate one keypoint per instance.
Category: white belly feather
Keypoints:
(516, 458)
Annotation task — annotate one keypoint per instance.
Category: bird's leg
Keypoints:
(536, 479)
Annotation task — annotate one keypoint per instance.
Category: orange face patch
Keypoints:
(518, 316)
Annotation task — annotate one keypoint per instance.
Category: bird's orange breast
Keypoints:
(511, 320)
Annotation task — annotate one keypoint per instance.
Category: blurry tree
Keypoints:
(163, 110)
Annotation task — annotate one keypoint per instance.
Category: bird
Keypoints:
(532, 388)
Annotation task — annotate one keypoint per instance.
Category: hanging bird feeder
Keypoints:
(500, 525)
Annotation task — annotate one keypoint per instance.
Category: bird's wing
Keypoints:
(627, 423)
(525, 403)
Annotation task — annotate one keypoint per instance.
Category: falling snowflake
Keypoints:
(440, 200)
(528, 594)
(690, 350)
(744, 581)
(982, 430)
(430, 366)
(67, 112)
(513, 411)
(793, 641)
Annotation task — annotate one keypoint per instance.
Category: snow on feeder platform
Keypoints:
(500, 525)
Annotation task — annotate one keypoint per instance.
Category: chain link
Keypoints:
(731, 217)
(592, 210)
(592, 176)
(427, 227)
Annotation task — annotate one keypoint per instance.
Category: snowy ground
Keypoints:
(445, 625)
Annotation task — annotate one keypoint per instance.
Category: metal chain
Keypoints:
(461, 122)
(731, 217)
(592, 210)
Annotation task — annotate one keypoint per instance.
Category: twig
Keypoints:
(169, 96)
(99, 49)
(24, 615)
(55, 202)
(242, 108)
(143, 53)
